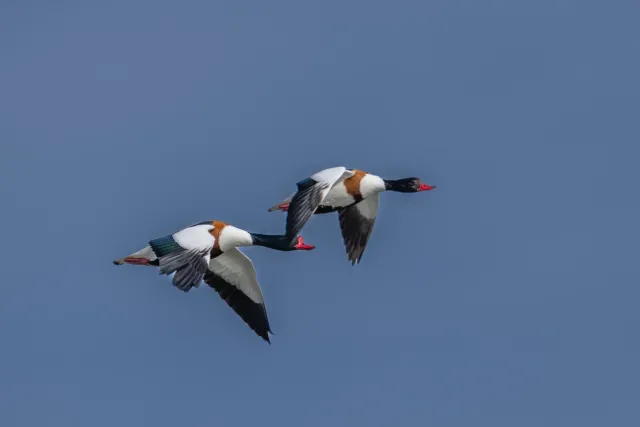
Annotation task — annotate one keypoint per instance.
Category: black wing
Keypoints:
(189, 267)
(303, 204)
(232, 275)
(356, 224)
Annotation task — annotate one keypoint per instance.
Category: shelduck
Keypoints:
(208, 251)
(353, 194)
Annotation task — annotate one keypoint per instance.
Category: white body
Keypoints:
(198, 237)
(339, 197)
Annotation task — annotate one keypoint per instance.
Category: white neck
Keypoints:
(231, 237)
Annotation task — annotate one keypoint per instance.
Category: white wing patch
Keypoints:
(237, 269)
(195, 237)
(368, 208)
(332, 175)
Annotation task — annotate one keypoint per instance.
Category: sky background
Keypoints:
(506, 297)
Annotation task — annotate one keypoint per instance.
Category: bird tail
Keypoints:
(144, 256)
(283, 205)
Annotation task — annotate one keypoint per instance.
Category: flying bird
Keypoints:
(353, 194)
(208, 251)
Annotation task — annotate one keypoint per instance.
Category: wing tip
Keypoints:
(265, 332)
(354, 258)
(265, 335)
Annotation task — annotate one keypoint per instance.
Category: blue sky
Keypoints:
(508, 296)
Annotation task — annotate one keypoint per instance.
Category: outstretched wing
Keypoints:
(311, 192)
(356, 224)
(185, 253)
(233, 276)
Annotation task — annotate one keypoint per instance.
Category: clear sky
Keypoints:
(506, 297)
